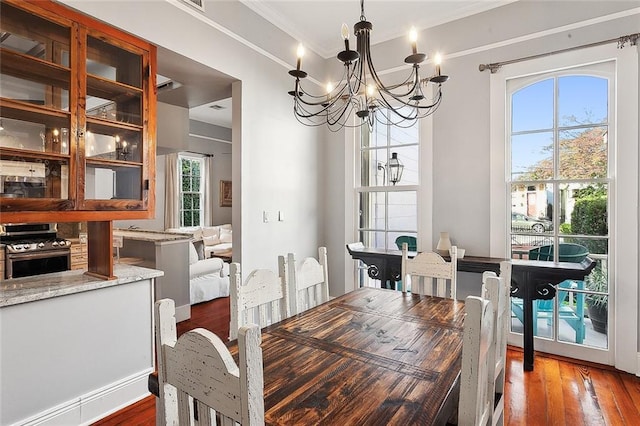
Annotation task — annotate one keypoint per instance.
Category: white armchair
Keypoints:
(208, 278)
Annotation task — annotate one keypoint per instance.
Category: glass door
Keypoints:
(114, 142)
(560, 179)
(36, 119)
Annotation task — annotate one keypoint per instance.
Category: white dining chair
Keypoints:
(476, 402)
(496, 289)
(307, 281)
(198, 378)
(260, 299)
(428, 273)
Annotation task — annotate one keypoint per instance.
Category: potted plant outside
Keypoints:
(598, 304)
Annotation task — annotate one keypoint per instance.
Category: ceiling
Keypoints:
(317, 25)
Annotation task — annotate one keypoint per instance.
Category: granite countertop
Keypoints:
(148, 235)
(46, 286)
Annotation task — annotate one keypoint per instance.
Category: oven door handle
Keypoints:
(38, 254)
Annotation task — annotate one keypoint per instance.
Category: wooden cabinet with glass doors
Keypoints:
(77, 117)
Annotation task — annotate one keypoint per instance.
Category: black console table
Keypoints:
(530, 279)
(536, 280)
(386, 265)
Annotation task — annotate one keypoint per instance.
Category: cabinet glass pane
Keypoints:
(54, 95)
(112, 144)
(50, 135)
(33, 36)
(34, 63)
(107, 182)
(126, 109)
(34, 178)
(113, 63)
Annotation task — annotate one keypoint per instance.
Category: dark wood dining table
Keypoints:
(369, 357)
(531, 280)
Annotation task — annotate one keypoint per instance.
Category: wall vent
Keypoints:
(168, 85)
(198, 4)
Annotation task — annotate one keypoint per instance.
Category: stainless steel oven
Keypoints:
(34, 249)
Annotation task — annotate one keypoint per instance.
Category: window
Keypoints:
(559, 184)
(387, 211)
(191, 190)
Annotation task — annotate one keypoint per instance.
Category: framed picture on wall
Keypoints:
(225, 193)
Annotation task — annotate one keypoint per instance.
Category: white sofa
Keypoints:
(217, 240)
(208, 278)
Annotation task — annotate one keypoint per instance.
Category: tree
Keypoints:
(583, 155)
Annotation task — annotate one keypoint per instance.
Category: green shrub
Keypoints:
(565, 228)
(589, 217)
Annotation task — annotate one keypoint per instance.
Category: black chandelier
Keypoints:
(362, 92)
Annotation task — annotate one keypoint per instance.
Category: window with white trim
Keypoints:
(386, 210)
(191, 190)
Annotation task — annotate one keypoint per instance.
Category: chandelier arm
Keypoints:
(398, 111)
(343, 115)
(323, 101)
(399, 122)
(301, 111)
(356, 77)
(414, 104)
(413, 76)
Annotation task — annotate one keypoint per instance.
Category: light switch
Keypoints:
(265, 216)
(280, 216)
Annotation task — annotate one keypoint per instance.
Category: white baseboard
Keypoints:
(638, 365)
(95, 405)
(183, 313)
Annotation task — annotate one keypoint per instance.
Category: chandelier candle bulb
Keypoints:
(438, 60)
(413, 37)
(371, 90)
(300, 55)
(345, 36)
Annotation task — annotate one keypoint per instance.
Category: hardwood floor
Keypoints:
(558, 392)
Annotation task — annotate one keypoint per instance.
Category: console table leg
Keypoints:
(528, 334)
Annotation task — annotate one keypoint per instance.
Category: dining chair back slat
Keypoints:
(475, 405)
(307, 282)
(429, 274)
(199, 379)
(262, 298)
(497, 290)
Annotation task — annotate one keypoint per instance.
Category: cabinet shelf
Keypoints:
(34, 69)
(12, 153)
(108, 89)
(112, 163)
(25, 111)
(101, 125)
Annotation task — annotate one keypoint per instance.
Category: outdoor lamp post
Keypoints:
(395, 168)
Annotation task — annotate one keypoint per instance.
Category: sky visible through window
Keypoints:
(582, 100)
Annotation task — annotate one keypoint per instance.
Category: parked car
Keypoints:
(523, 222)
